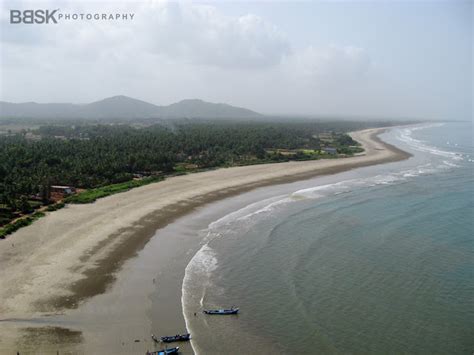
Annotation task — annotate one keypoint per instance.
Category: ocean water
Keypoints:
(375, 260)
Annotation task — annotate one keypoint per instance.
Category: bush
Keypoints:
(23, 222)
(55, 207)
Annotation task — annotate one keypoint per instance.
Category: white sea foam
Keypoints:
(266, 208)
(405, 135)
(242, 214)
(450, 164)
(200, 269)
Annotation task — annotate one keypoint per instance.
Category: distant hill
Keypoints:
(120, 107)
(123, 107)
(199, 108)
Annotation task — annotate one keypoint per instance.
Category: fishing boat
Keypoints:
(232, 310)
(177, 337)
(164, 351)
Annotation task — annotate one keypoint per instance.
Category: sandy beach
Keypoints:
(73, 254)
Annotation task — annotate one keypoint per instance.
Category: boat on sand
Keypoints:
(232, 310)
(164, 351)
(177, 337)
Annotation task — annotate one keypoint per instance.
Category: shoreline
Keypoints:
(116, 228)
(94, 284)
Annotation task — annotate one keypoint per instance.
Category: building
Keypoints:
(59, 192)
(65, 190)
(330, 150)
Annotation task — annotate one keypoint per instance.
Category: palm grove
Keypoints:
(96, 155)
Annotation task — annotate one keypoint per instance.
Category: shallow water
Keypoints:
(374, 260)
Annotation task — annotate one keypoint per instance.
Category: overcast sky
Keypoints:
(379, 59)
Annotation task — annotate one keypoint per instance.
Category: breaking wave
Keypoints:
(405, 135)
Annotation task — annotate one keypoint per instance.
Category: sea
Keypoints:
(375, 260)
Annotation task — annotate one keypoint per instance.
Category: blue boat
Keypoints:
(164, 351)
(232, 310)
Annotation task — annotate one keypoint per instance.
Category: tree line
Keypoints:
(94, 155)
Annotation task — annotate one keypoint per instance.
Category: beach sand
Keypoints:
(73, 254)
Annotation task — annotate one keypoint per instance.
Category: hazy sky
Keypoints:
(381, 58)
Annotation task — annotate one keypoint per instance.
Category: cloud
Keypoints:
(200, 34)
(172, 51)
(190, 33)
(330, 64)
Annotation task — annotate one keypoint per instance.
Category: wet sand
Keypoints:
(60, 261)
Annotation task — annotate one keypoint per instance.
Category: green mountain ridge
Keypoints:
(120, 107)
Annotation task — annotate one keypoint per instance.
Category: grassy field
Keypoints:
(91, 195)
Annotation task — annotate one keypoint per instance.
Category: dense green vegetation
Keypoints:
(105, 159)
